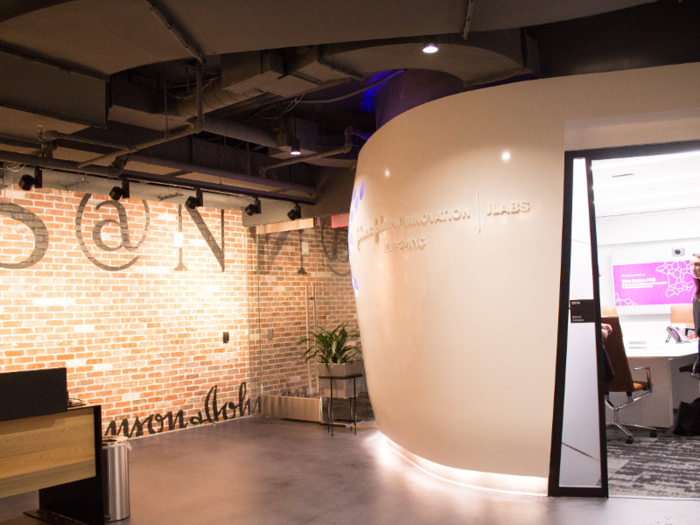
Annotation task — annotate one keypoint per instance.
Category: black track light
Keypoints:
(27, 181)
(117, 192)
(294, 213)
(195, 202)
(253, 208)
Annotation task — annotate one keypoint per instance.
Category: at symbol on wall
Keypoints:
(122, 223)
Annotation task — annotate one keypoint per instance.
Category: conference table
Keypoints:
(669, 386)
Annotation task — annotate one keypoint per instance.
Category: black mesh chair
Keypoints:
(623, 380)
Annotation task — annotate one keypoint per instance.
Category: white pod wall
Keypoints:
(455, 240)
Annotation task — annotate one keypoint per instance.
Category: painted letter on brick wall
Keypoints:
(97, 231)
(38, 228)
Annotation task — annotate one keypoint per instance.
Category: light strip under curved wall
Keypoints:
(484, 480)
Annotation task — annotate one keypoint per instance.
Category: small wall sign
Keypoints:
(582, 311)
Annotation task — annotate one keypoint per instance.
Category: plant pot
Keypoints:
(342, 388)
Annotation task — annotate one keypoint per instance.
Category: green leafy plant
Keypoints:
(331, 347)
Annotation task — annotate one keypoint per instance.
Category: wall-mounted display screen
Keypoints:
(653, 283)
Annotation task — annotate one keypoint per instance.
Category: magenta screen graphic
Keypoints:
(665, 282)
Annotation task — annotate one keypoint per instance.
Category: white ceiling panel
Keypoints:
(297, 21)
(220, 26)
(106, 36)
(223, 26)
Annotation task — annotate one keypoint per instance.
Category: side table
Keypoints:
(353, 399)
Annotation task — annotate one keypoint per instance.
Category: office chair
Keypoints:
(689, 368)
(623, 381)
(682, 313)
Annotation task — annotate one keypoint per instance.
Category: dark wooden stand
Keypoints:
(353, 399)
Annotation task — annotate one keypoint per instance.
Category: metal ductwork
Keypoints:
(249, 75)
(236, 130)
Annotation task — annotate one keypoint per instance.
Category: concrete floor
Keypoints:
(260, 471)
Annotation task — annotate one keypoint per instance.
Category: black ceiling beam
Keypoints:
(656, 34)
(216, 188)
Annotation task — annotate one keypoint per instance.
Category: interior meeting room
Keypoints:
(302, 261)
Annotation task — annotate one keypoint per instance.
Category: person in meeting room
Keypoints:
(608, 372)
(695, 270)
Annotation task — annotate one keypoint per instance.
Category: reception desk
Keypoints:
(59, 455)
(670, 386)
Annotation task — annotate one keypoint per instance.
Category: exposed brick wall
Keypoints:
(147, 338)
(143, 340)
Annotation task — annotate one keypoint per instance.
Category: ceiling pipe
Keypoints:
(189, 129)
(468, 19)
(344, 149)
(193, 168)
(111, 157)
(51, 135)
(20, 142)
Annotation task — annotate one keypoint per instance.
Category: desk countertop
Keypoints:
(672, 349)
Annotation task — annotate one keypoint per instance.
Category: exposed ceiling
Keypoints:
(108, 89)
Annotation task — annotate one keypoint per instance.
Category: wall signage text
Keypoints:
(41, 234)
(426, 219)
(155, 423)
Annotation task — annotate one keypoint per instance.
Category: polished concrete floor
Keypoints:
(261, 471)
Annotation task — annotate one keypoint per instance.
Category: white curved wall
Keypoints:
(460, 331)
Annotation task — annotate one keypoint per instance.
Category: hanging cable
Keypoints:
(352, 93)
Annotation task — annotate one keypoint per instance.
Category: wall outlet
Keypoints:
(270, 333)
(225, 337)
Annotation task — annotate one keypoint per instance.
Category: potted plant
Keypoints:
(335, 356)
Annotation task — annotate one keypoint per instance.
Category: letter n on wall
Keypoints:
(217, 250)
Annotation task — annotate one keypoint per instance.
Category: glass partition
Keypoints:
(298, 281)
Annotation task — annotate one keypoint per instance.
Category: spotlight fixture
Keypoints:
(294, 213)
(27, 181)
(254, 208)
(195, 202)
(296, 147)
(430, 46)
(117, 192)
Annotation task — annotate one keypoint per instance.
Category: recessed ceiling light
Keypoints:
(505, 156)
(430, 46)
(296, 147)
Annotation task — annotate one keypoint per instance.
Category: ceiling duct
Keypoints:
(236, 130)
(264, 71)
(251, 74)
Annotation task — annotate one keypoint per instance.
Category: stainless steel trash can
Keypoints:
(115, 471)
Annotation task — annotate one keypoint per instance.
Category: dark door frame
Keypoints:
(590, 155)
